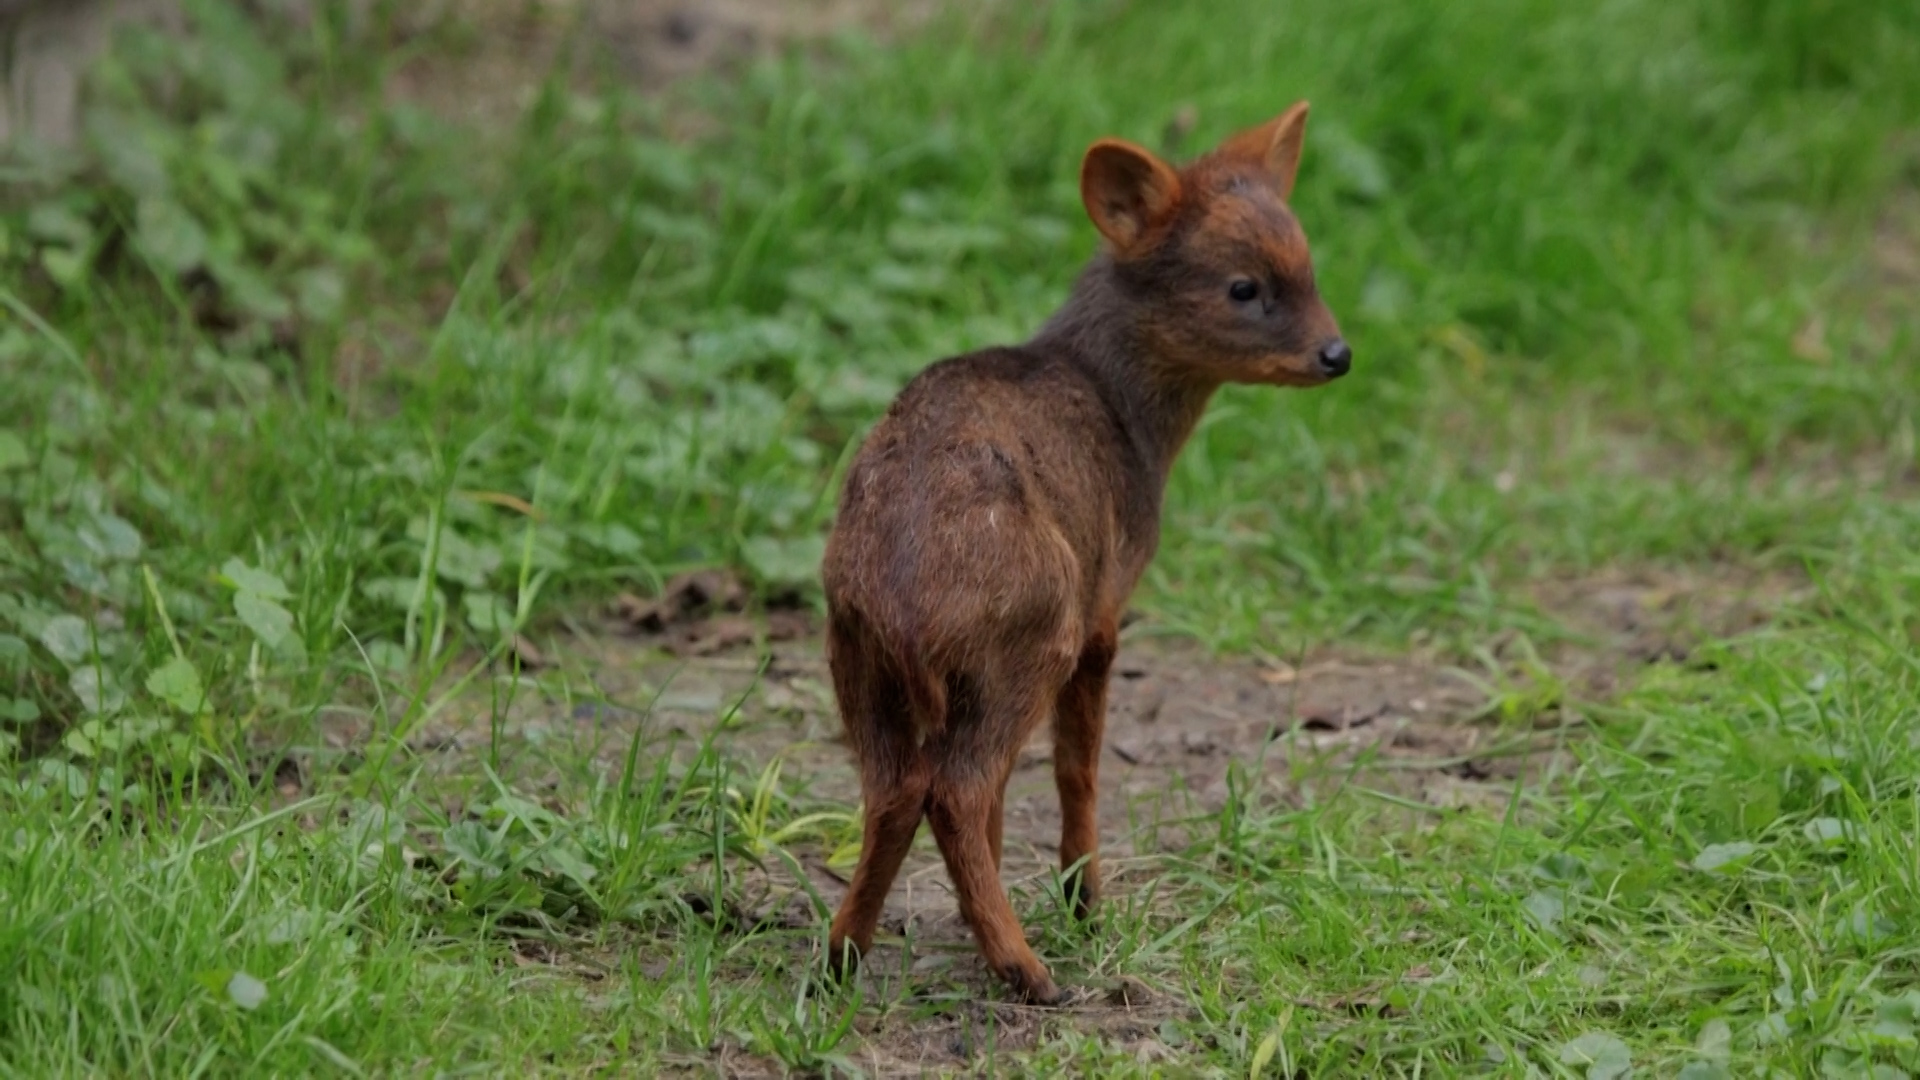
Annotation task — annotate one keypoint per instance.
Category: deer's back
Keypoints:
(997, 504)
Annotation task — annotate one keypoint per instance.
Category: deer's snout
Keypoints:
(1336, 359)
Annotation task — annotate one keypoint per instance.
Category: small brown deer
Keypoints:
(997, 518)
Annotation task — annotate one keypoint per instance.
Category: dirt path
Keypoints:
(507, 50)
(1178, 721)
(1175, 723)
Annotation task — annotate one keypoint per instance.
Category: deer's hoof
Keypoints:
(1036, 986)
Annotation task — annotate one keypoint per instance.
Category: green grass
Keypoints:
(274, 352)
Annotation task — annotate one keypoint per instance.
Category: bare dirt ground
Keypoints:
(1178, 720)
(509, 49)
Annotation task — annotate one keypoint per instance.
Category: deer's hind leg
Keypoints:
(971, 765)
(894, 782)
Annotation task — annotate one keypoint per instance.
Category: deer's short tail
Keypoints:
(926, 692)
(884, 679)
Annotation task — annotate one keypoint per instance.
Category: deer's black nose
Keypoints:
(1335, 358)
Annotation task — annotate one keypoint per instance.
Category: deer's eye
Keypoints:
(1243, 289)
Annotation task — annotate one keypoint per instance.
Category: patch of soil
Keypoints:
(1178, 721)
(704, 612)
(510, 49)
(1896, 243)
(1630, 618)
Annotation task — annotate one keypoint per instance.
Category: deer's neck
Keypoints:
(1156, 404)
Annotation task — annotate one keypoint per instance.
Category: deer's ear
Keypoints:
(1274, 146)
(1129, 193)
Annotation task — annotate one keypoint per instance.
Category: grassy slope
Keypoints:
(1573, 248)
